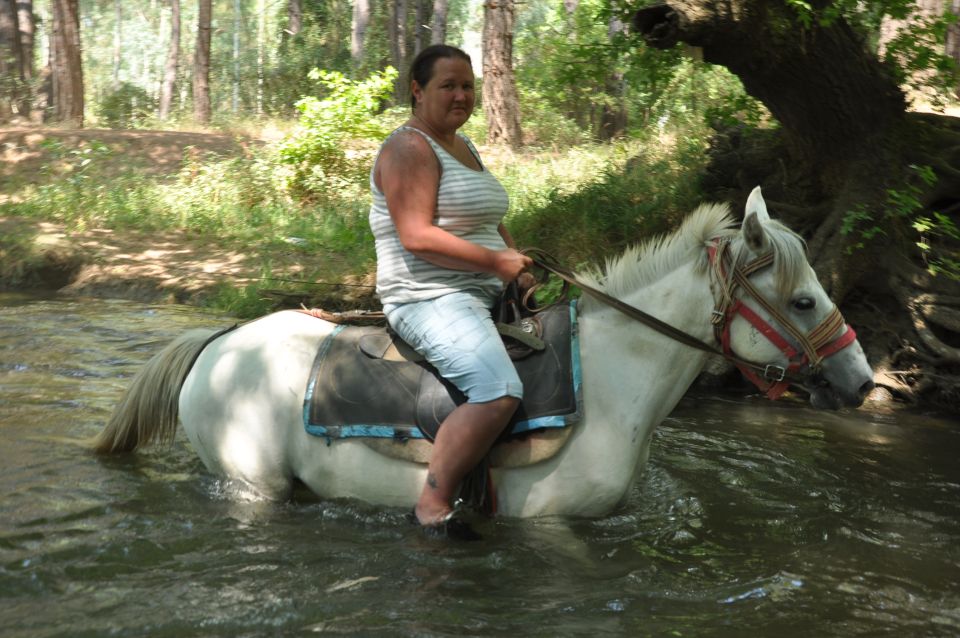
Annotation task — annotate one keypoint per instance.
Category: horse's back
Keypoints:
(241, 404)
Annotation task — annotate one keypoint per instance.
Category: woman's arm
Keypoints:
(507, 237)
(408, 174)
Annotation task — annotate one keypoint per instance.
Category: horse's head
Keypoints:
(776, 314)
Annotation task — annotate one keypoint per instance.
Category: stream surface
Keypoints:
(752, 519)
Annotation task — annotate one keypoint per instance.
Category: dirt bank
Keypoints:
(156, 266)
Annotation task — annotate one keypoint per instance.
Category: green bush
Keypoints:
(544, 125)
(642, 188)
(318, 152)
(128, 106)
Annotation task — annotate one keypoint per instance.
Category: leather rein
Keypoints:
(771, 379)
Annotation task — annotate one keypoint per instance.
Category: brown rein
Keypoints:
(547, 262)
(772, 379)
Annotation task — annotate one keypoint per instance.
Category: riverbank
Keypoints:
(245, 276)
(154, 267)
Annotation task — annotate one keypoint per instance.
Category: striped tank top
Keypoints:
(470, 205)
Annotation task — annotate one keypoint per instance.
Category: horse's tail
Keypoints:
(150, 407)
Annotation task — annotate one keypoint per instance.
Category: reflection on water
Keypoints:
(752, 518)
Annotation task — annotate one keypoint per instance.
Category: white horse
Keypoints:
(240, 397)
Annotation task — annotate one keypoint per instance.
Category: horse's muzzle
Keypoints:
(826, 396)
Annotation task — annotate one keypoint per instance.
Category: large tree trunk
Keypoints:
(294, 18)
(201, 64)
(845, 141)
(358, 30)
(117, 46)
(11, 56)
(501, 104)
(613, 118)
(66, 63)
(438, 23)
(419, 36)
(173, 60)
(397, 32)
(27, 24)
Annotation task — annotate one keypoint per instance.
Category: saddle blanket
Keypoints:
(353, 393)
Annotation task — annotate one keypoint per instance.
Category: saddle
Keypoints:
(367, 383)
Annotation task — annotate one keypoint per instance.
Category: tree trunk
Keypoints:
(613, 118)
(11, 61)
(397, 32)
(237, 27)
(438, 23)
(261, 53)
(952, 44)
(201, 64)
(27, 24)
(294, 18)
(845, 142)
(418, 33)
(785, 66)
(66, 63)
(358, 30)
(500, 102)
(117, 52)
(173, 60)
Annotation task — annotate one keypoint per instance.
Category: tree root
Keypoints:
(945, 353)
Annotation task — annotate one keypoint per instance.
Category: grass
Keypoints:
(581, 203)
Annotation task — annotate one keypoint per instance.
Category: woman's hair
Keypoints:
(422, 68)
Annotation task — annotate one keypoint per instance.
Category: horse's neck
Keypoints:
(634, 376)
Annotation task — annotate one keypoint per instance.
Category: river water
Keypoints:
(752, 519)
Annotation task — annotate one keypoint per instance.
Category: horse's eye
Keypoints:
(804, 303)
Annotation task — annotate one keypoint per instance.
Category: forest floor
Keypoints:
(155, 266)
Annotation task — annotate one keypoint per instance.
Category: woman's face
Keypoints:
(447, 100)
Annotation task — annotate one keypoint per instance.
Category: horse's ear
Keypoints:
(755, 204)
(756, 213)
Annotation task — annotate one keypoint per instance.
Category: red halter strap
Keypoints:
(815, 346)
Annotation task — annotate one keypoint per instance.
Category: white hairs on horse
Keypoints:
(650, 261)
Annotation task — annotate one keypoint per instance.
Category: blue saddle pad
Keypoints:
(353, 394)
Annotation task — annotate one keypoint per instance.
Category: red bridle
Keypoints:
(813, 347)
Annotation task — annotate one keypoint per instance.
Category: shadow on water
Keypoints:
(752, 518)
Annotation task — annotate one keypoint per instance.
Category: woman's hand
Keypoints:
(509, 263)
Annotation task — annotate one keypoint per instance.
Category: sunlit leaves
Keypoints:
(318, 150)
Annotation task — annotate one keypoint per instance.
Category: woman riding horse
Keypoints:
(443, 255)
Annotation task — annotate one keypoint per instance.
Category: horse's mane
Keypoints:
(648, 262)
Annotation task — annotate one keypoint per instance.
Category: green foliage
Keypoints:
(245, 301)
(17, 256)
(128, 106)
(917, 55)
(544, 125)
(569, 65)
(631, 191)
(904, 211)
(566, 59)
(937, 234)
(317, 153)
(325, 36)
